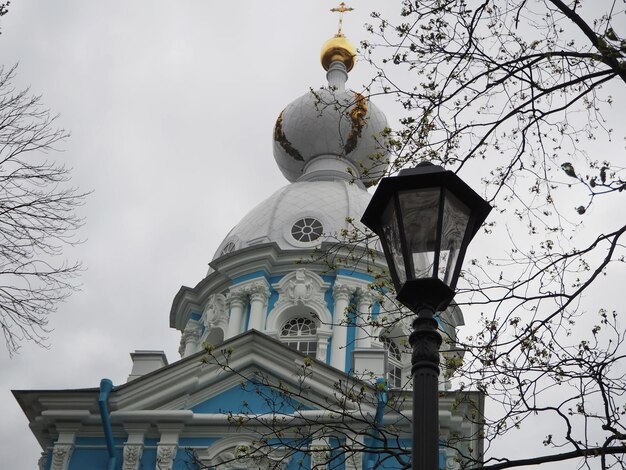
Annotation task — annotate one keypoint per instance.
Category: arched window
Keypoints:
(301, 334)
(394, 375)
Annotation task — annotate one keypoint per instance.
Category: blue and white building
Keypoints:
(291, 355)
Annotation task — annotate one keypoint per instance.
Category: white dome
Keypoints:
(300, 215)
(331, 122)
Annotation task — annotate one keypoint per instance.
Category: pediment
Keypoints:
(243, 374)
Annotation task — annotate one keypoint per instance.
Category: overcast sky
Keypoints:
(171, 107)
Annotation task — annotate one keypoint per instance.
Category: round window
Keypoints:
(307, 229)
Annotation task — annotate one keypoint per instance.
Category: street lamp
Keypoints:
(425, 217)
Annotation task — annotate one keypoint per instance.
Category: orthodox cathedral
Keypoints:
(292, 356)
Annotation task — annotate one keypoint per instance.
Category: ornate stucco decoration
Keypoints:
(190, 338)
(215, 312)
(165, 456)
(61, 454)
(43, 460)
(132, 456)
(302, 291)
(241, 452)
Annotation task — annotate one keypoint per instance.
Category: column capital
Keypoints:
(366, 295)
(342, 291)
(258, 291)
(237, 297)
(192, 330)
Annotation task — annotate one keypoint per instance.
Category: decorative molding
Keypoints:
(320, 454)
(132, 456)
(241, 452)
(354, 461)
(215, 313)
(300, 288)
(343, 291)
(165, 456)
(43, 460)
(61, 454)
(189, 338)
(366, 296)
(237, 297)
(258, 291)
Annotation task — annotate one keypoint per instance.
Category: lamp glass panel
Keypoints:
(420, 209)
(391, 235)
(455, 219)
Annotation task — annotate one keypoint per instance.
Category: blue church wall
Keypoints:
(386, 460)
(250, 397)
(337, 459)
(299, 461)
(93, 458)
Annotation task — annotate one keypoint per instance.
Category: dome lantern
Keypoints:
(332, 133)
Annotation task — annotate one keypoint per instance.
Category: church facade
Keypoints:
(293, 356)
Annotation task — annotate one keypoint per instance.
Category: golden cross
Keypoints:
(341, 9)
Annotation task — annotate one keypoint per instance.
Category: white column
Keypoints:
(237, 305)
(363, 319)
(341, 294)
(259, 293)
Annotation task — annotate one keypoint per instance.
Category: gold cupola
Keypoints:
(339, 48)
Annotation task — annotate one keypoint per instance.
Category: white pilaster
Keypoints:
(323, 336)
(168, 445)
(320, 454)
(354, 458)
(61, 455)
(64, 446)
(133, 447)
(341, 294)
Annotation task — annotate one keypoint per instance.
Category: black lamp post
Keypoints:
(425, 218)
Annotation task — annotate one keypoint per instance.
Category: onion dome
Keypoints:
(332, 132)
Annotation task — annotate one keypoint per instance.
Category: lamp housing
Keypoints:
(425, 218)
